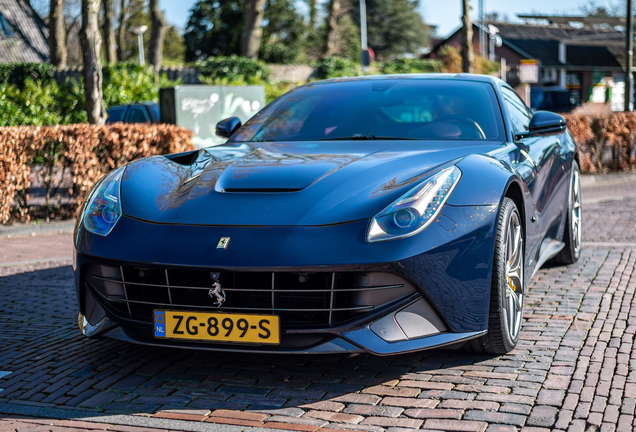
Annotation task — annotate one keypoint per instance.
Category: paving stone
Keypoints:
(456, 425)
(542, 415)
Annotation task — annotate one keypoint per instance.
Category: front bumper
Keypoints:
(446, 269)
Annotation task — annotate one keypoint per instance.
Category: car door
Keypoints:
(116, 114)
(137, 114)
(543, 154)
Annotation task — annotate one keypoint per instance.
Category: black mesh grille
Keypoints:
(319, 299)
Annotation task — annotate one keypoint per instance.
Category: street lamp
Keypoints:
(139, 31)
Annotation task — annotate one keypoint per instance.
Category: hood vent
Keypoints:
(261, 190)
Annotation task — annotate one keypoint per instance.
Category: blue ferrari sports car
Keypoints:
(381, 214)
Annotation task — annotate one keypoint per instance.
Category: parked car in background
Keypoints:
(142, 112)
(556, 99)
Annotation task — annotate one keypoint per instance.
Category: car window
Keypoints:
(137, 115)
(155, 111)
(116, 115)
(536, 98)
(384, 108)
(519, 115)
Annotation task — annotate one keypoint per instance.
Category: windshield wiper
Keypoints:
(359, 137)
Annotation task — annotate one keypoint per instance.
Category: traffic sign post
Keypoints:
(529, 71)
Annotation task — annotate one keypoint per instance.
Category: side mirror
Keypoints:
(544, 123)
(226, 128)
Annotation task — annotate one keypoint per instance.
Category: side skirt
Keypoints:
(549, 249)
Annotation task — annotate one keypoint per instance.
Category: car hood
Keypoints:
(285, 183)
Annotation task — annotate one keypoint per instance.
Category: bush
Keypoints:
(273, 91)
(39, 100)
(409, 65)
(606, 141)
(126, 83)
(18, 73)
(41, 103)
(336, 67)
(233, 69)
(86, 152)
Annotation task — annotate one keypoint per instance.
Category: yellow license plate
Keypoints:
(218, 327)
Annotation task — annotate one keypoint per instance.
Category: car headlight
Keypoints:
(416, 209)
(103, 208)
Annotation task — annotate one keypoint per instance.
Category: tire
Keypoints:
(572, 233)
(507, 286)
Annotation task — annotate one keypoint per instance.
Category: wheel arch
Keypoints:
(515, 193)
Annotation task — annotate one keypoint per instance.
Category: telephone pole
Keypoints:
(629, 57)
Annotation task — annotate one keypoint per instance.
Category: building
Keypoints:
(23, 34)
(586, 60)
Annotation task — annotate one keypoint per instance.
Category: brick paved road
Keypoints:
(573, 370)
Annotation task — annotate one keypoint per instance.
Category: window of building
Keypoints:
(4, 27)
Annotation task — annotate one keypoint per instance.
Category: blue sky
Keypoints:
(444, 14)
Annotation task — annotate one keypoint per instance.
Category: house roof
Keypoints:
(27, 40)
(542, 42)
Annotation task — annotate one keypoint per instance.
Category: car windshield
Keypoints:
(380, 109)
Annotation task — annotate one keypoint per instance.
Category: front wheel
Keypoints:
(507, 286)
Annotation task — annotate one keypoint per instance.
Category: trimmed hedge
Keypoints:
(86, 152)
(606, 141)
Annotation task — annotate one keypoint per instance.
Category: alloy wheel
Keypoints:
(514, 276)
(575, 214)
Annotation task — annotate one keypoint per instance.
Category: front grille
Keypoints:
(319, 299)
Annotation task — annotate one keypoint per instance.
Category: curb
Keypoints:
(44, 228)
(604, 179)
(125, 419)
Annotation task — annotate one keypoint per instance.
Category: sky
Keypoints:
(444, 14)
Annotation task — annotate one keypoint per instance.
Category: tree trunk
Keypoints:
(312, 15)
(332, 27)
(91, 49)
(252, 30)
(155, 50)
(57, 33)
(121, 31)
(109, 33)
(467, 38)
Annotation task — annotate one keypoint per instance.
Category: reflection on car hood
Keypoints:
(303, 183)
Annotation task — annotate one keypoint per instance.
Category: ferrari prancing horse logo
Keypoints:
(223, 243)
(217, 294)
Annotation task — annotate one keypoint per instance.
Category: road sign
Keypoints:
(529, 71)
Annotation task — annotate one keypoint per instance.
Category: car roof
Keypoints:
(550, 88)
(133, 104)
(426, 76)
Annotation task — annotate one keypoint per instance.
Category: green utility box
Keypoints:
(199, 108)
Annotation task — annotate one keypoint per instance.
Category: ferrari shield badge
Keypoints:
(223, 243)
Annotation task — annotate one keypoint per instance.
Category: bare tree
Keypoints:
(121, 30)
(312, 15)
(57, 33)
(91, 49)
(332, 27)
(467, 38)
(155, 49)
(109, 33)
(252, 30)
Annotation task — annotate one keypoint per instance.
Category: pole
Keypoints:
(482, 38)
(140, 40)
(363, 31)
(629, 58)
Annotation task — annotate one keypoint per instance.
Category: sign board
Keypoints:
(529, 71)
(200, 107)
